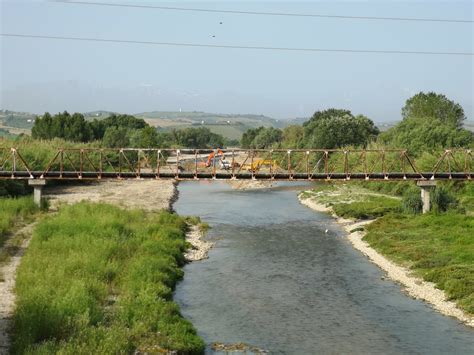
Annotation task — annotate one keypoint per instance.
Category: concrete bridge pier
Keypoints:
(37, 190)
(426, 187)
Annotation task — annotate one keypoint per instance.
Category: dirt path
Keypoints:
(7, 295)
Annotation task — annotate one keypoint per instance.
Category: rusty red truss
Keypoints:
(260, 164)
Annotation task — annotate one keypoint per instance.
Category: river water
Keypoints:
(276, 279)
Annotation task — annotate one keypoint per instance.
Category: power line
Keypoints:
(203, 45)
(413, 19)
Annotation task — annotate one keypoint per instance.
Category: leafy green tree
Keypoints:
(326, 114)
(144, 138)
(116, 137)
(62, 125)
(434, 106)
(419, 134)
(293, 137)
(201, 137)
(267, 138)
(337, 128)
(261, 138)
(249, 136)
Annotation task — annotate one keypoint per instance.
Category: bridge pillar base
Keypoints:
(37, 190)
(426, 188)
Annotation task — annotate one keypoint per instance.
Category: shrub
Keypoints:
(442, 200)
(411, 201)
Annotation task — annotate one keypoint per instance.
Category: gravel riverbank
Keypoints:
(414, 286)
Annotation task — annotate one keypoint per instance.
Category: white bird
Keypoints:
(327, 230)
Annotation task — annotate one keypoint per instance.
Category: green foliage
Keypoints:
(442, 200)
(201, 137)
(13, 188)
(99, 279)
(370, 207)
(432, 105)
(439, 247)
(261, 138)
(338, 128)
(116, 137)
(12, 211)
(421, 134)
(293, 137)
(412, 202)
(62, 125)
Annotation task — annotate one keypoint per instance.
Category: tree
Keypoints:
(326, 114)
(249, 136)
(267, 138)
(197, 138)
(335, 128)
(116, 137)
(293, 137)
(261, 137)
(144, 138)
(62, 125)
(434, 106)
(418, 134)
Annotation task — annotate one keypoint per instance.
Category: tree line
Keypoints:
(121, 131)
(429, 121)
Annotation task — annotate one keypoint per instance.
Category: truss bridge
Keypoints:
(236, 164)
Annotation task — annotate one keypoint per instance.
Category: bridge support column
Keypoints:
(37, 190)
(426, 187)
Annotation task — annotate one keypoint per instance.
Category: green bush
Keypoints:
(99, 279)
(370, 207)
(442, 200)
(411, 201)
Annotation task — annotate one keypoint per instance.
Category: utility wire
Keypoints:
(203, 45)
(413, 19)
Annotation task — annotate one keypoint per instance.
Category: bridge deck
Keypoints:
(236, 164)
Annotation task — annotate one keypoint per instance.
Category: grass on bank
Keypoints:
(99, 279)
(439, 247)
(13, 212)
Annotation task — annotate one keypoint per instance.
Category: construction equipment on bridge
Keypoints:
(211, 158)
(257, 164)
(260, 164)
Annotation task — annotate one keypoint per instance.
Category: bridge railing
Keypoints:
(300, 164)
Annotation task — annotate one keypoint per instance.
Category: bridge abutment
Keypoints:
(426, 186)
(37, 190)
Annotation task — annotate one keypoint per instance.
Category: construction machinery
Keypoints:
(211, 159)
(257, 164)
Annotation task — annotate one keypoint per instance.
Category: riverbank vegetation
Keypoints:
(437, 246)
(13, 211)
(99, 279)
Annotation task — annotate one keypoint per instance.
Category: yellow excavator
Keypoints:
(257, 164)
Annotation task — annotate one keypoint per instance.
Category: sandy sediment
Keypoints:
(250, 184)
(200, 248)
(7, 285)
(150, 195)
(414, 286)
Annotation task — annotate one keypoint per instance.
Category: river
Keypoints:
(285, 278)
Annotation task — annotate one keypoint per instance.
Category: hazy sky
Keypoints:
(54, 75)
